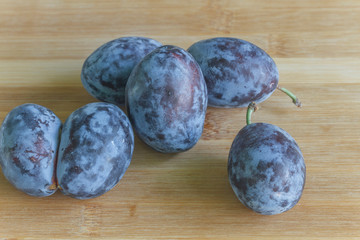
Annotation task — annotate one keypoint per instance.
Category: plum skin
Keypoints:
(236, 72)
(29, 138)
(105, 72)
(266, 169)
(166, 100)
(96, 148)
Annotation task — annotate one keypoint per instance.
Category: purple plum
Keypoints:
(236, 72)
(166, 100)
(29, 138)
(96, 148)
(106, 71)
(266, 169)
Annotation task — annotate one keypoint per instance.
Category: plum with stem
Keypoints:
(236, 71)
(266, 167)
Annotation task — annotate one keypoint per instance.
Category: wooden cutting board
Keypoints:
(315, 45)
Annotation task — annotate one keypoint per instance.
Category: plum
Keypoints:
(29, 138)
(236, 72)
(266, 168)
(96, 148)
(106, 70)
(166, 100)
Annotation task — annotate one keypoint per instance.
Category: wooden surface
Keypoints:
(315, 44)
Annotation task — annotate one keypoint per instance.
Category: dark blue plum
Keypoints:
(166, 100)
(266, 169)
(236, 71)
(29, 138)
(106, 70)
(96, 148)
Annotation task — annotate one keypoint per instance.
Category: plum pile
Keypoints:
(166, 91)
(96, 147)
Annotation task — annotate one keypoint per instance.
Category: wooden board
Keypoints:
(315, 44)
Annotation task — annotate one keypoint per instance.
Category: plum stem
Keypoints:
(251, 108)
(291, 95)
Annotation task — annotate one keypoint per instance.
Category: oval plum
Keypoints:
(106, 70)
(29, 138)
(236, 72)
(166, 100)
(266, 169)
(96, 148)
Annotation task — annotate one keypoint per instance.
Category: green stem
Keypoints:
(251, 108)
(291, 95)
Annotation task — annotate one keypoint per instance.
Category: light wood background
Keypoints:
(316, 45)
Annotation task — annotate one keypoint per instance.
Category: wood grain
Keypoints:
(315, 44)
